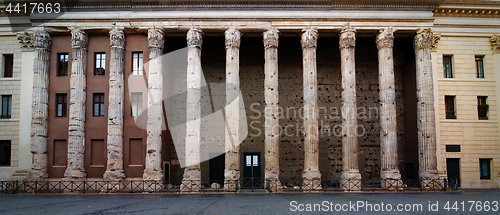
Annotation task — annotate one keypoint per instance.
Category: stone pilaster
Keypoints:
(114, 169)
(311, 177)
(391, 178)
(153, 169)
(350, 177)
(272, 124)
(232, 109)
(40, 109)
(191, 181)
(78, 80)
(427, 159)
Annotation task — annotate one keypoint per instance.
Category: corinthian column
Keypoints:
(350, 177)
(78, 81)
(272, 124)
(153, 170)
(191, 181)
(232, 109)
(40, 108)
(388, 135)
(311, 177)
(425, 106)
(114, 168)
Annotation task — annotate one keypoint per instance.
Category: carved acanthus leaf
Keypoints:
(495, 43)
(385, 38)
(117, 38)
(347, 37)
(79, 39)
(309, 37)
(156, 38)
(42, 40)
(271, 38)
(424, 39)
(233, 38)
(194, 38)
(26, 39)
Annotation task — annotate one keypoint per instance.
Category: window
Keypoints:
(100, 64)
(5, 153)
(6, 106)
(61, 105)
(8, 65)
(484, 168)
(447, 66)
(452, 148)
(62, 64)
(137, 67)
(482, 108)
(479, 67)
(449, 103)
(98, 104)
(136, 102)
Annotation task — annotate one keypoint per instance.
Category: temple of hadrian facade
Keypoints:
(357, 93)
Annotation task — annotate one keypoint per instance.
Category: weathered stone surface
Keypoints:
(114, 169)
(423, 42)
(153, 169)
(191, 180)
(272, 126)
(232, 144)
(40, 108)
(311, 177)
(495, 43)
(388, 125)
(350, 177)
(78, 80)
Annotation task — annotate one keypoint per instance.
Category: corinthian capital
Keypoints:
(155, 38)
(495, 43)
(194, 38)
(347, 37)
(79, 39)
(117, 38)
(42, 40)
(233, 38)
(309, 38)
(385, 38)
(26, 39)
(271, 38)
(425, 39)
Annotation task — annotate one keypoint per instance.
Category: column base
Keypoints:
(36, 175)
(391, 179)
(311, 181)
(429, 180)
(350, 181)
(191, 180)
(114, 175)
(151, 174)
(273, 185)
(231, 185)
(74, 174)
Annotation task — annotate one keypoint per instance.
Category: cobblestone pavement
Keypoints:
(257, 203)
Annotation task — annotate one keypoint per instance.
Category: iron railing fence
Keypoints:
(356, 185)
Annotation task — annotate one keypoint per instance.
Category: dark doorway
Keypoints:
(453, 169)
(251, 171)
(217, 165)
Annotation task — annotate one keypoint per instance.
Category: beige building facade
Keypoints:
(316, 94)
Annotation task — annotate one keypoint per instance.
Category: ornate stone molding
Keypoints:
(467, 12)
(347, 37)
(425, 39)
(233, 38)
(495, 42)
(42, 40)
(155, 38)
(117, 38)
(79, 39)
(26, 40)
(271, 38)
(385, 38)
(194, 38)
(435, 41)
(309, 37)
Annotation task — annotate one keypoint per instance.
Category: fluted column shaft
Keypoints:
(114, 168)
(77, 100)
(232, 109)
(311, 177)
(387, 96)
(350, 149)
(153, 169)
(425, 105)
(40, 108)
(272, 126)
(192, 173)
